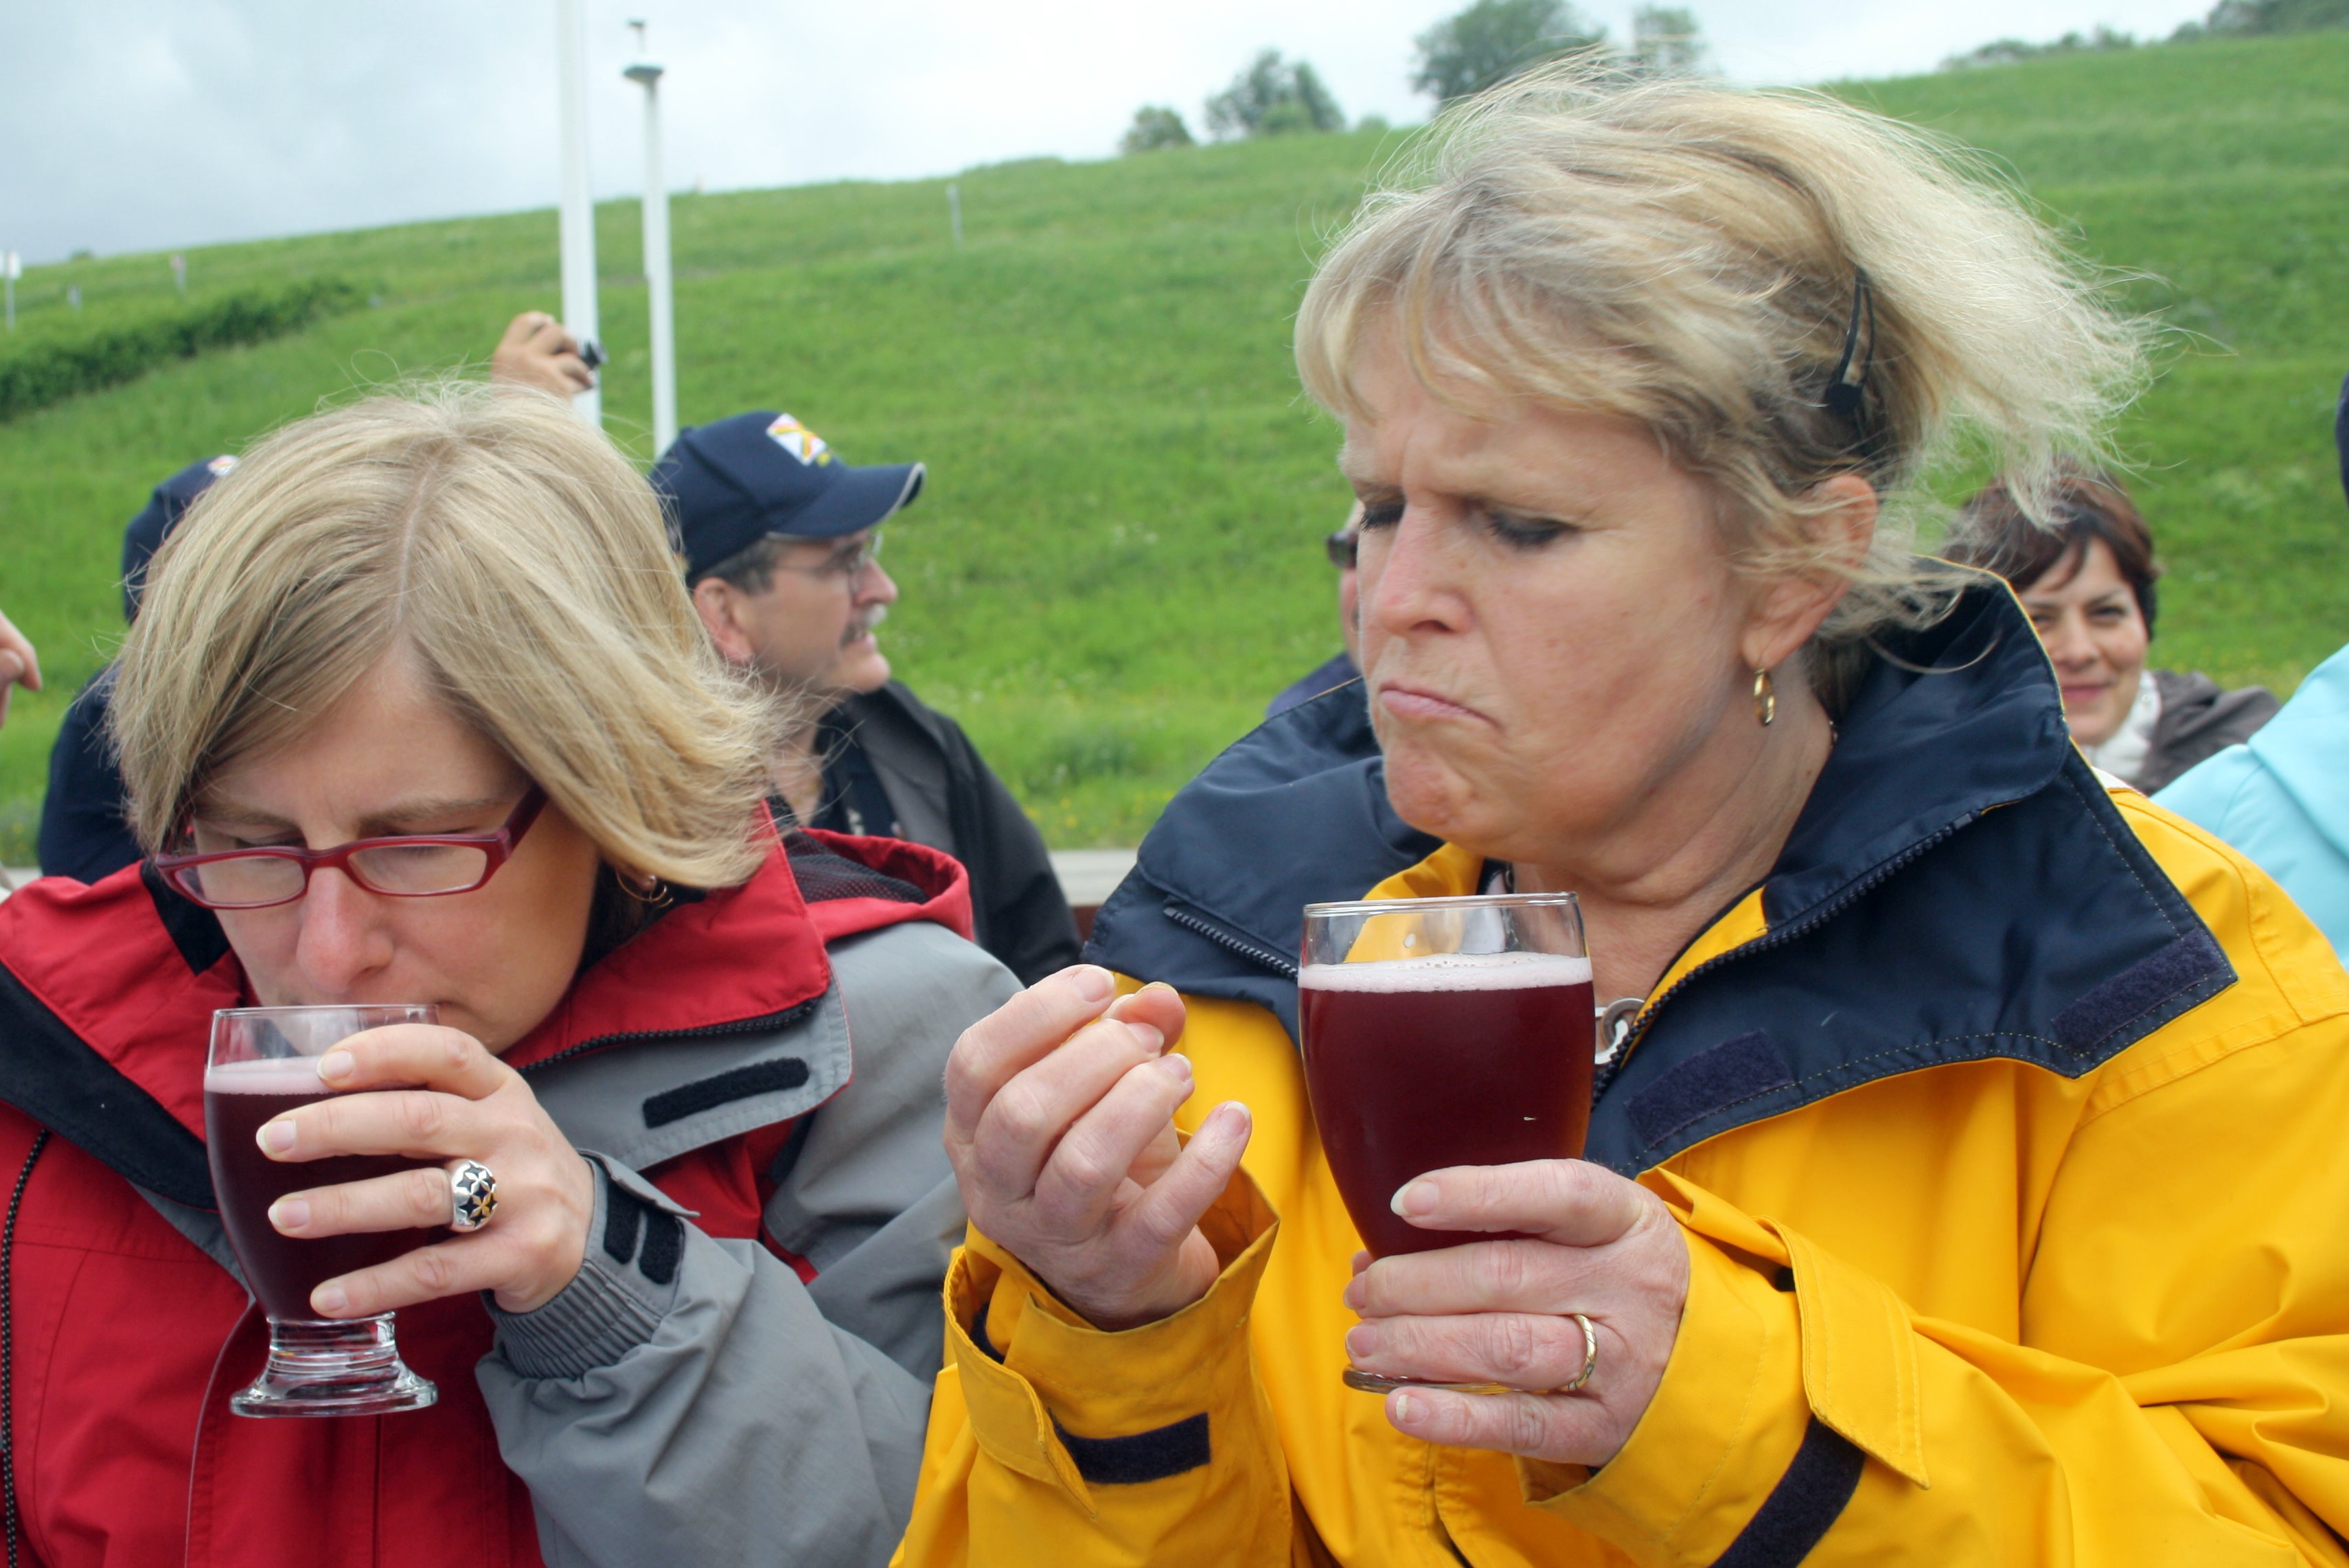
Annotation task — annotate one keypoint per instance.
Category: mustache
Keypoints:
(863, 622)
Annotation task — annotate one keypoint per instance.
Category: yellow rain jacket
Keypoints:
(2008, 1126)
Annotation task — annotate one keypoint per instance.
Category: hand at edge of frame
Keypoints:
(19, 664)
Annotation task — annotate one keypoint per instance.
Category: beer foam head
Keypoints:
(1449, 972)
(269, 1074)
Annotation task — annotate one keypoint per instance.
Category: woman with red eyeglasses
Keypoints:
(417, 711)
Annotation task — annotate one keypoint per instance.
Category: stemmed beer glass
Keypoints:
(1440, 1032)
(263, 1063)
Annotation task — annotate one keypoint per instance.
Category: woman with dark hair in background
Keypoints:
(2087, 580)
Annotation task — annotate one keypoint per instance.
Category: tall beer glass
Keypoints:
(1439, 1032)
(263, 1064)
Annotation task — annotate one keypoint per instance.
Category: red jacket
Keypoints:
(127, 1340)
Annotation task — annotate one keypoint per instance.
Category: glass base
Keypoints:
(1375, 1383)
(350, 1368)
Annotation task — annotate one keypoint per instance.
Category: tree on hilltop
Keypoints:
(1273, 97)
(2255, 18)
(2007, 51)
(1666, 41)
(1493, 40)
(1154, 125)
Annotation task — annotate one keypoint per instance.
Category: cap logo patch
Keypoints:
(221, 464)
(799, 441)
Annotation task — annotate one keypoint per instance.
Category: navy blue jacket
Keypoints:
(84, 834)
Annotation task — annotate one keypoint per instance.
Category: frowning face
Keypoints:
(1551, 629)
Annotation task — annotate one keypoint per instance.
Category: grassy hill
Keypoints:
(1116, 560)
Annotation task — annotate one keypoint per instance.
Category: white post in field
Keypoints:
(578, 197)
(658, 287)
(10, 265)
(954, 211)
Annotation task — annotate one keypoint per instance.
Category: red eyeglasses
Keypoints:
(409, 865)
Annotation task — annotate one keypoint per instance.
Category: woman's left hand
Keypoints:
(1496, 1312)
(453, 1101)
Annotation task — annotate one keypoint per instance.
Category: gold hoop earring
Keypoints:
(650, 890)
(1765, 697)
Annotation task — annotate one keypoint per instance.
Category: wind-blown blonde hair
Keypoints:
(1686, 254)
(522, 561)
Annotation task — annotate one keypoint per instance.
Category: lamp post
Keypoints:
(578, 222)
(647, 74)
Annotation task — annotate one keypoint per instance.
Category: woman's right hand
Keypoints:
(1060, 1123)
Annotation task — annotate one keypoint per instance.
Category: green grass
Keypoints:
(1116, 560)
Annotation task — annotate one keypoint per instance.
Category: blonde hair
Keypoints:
(521, 561)
(1687, 255)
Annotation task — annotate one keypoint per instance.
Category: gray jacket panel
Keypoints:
(727, 1413)
(646, 1105)
(907, 762)
(2199, 720)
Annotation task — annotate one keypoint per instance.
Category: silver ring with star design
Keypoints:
(472, 1195)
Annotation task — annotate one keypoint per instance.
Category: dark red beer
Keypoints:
(282, 1270)
(1418, 1064)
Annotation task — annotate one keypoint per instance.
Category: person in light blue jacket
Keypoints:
(2282, 796)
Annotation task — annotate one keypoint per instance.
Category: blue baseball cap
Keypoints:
(156, 521)
(727, 484)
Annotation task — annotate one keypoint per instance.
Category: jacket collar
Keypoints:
(106, 991)
(1949, 723)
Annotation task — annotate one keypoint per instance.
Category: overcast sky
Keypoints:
(131, 125)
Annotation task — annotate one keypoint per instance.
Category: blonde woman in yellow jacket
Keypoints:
(1965, 1180)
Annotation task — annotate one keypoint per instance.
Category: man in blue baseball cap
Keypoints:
(781, 541)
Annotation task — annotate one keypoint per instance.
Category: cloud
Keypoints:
(145, 124)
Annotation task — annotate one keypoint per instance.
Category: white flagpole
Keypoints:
(657, 286)
(578, 197)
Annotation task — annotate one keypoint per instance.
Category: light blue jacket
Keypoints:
(2282, 798)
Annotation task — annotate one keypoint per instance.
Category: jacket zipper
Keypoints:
(1255, 953)
(789, 1016)
(1818, 915)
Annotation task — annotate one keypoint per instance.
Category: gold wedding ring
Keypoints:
(1373, 1382)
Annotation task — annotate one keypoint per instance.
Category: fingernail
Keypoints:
(1355, 1295)
(277, 1136)
(1361, 1340)
(289, 1214)
(1151, 1040)
(1407, 1407)
(1234, 1117)
(1094, 984)
(1177, 1067)
(336, 1065)
(328, 1300)
(1413, 1199)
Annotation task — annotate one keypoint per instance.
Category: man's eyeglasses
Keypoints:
(853, 564)
(1342, 546)
(409, 865)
